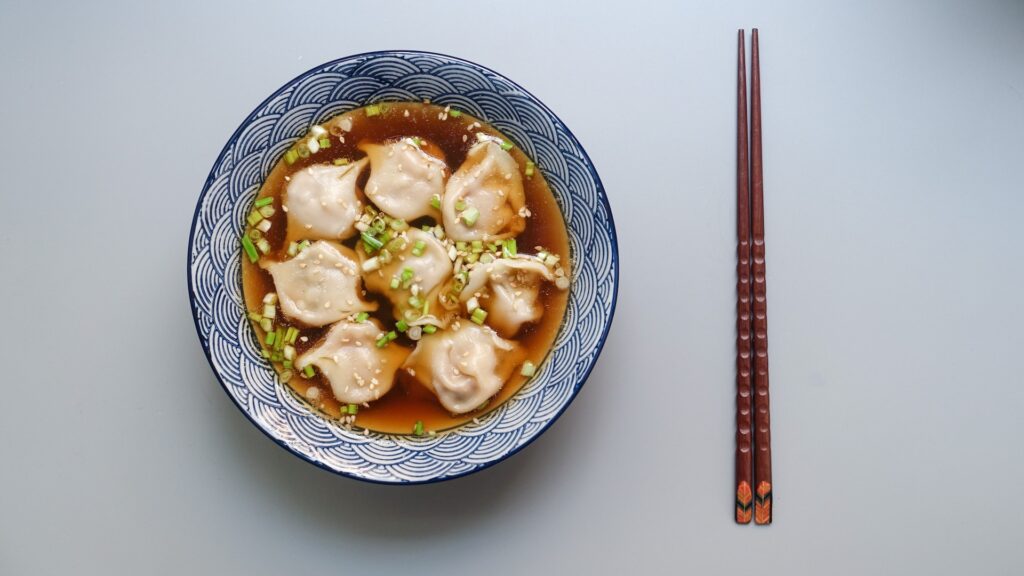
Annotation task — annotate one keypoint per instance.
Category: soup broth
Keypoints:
(408, 406)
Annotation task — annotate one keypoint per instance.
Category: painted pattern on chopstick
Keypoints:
(762, 413)
(744, 456)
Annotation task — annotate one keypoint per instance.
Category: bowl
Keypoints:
(214, 265)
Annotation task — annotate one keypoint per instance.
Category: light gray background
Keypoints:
(893, 155)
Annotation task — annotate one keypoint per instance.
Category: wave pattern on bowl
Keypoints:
(215, 271)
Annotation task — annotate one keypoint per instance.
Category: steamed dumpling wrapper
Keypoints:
(356, 368)
(404, 178)
(512, 290)
(484, 199)
(323, 201)
(463, 367)
(320, 285)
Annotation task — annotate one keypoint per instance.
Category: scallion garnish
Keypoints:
(289, 352)
(303, 151)
(270, 298)
(455, 113)
(395, 283)
(293, 248)
(250, 249)
(340, 161)
(407, 275)
(271, 336)
(269, 311)
(417, 429)
(371, 242)
(401, 325)
(461, 246)
(429, 329)
(279, 338)
(418, 247)
(265, 354)
(324, 142)
(528, 369)
(362, 316)
(373, 110)
(478, 316)
(391, 335)
(308, 371)
(382, 341)
(352, 409)
(263, 245)
(267, 324)
(415, 302)
(506, 145)
(291, 156)
(398, 224)
(254, 217)
(291, 335)
(460, 204)
(469, 215)
(255, 317)
(530, 167)
(509, 248)
(303, 245)
(264, 201)
(435, 201)
(276, 356)
(266, 211)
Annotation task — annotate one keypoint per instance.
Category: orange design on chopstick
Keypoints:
(744, 506)
(763, 504)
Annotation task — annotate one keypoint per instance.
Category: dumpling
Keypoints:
(320, 285)
(356, 368)
(484, 199)
(509, 290)
(463, 367)
(418, 274)
(404, 178)
(323, 201)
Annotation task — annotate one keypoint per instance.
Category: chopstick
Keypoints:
(762, 412)
(744, 457)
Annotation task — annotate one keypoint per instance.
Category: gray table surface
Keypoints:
(892, 153)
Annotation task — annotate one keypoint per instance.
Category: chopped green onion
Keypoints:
(362, 316)
(401, 326)
(267, 324)
(254, 217)
(371, 243)
(265, 354)
(308, 371)
(384, 256)
(271, 336)
(250, 250)
(263, 245)
(460, 204)
(352, 409)
(382, 341)
(471, 258)
(398, 224)
(293, 249)
(303, 245)
(397, 244)
(291, 156)
(269, 311)
(506, 145)
(255, 317)
(255, 233)
(263, 226)
(370, 210)
(279, 338)
(417, 429)
(391, 336)
(479, 315)
(395, 283)
(455, 113)
(470, 215)
(267, 211)
(435, 201)
(530, 167)
(340, 161)
(373, 110)
(509, 248)
(264, 201)
(288, 364)
(276, 356)
(303, 151)
(478, 246)
(415, 302)
(416, 141)
(417, 248)
(270, 298)
(291, 335)
(487, 258)
(289, 352)
(426, 307)
(407, 275)
(286, 376)
(324, 142)
(460, 246)
(528, 369)
(429, 329)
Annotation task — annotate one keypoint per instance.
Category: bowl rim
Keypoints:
(602, 196)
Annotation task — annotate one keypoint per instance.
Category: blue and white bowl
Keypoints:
(214, 265)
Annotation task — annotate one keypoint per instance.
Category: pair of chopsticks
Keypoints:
(753, 439)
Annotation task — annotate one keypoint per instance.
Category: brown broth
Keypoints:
(408, 402)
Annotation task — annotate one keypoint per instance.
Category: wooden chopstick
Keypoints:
(762, 413)
(744, 456)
